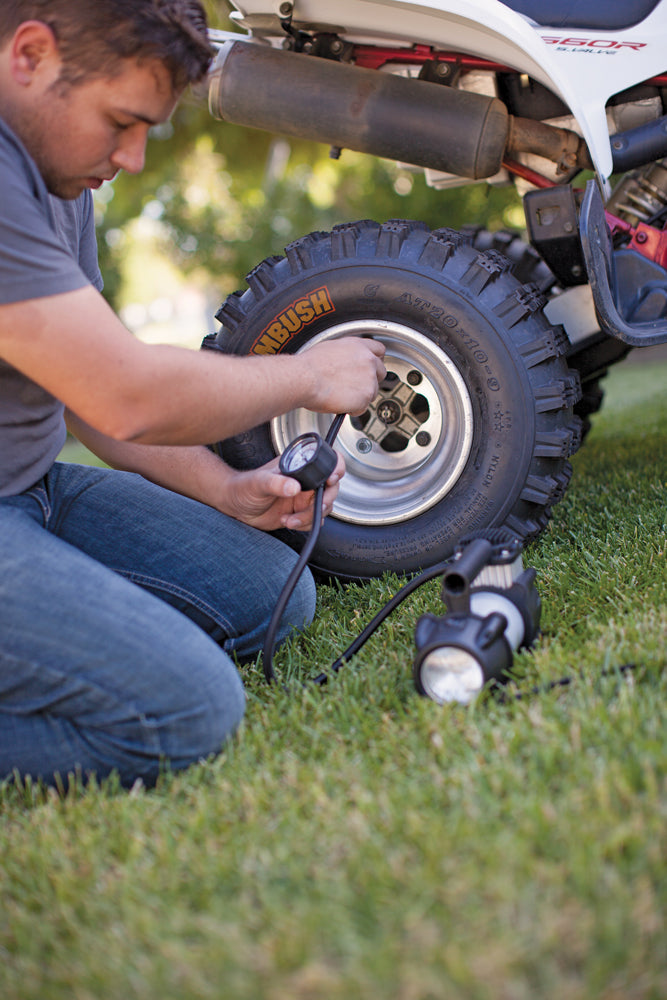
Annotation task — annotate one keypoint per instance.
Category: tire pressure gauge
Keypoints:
(309, 460)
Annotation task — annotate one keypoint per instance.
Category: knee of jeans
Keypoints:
(223, 707)
(300, 609)
(206, 712)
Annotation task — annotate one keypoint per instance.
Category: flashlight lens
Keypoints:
(451, 674)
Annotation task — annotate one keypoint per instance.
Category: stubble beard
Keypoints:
(32, 132)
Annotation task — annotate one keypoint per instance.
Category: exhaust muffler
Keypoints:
(306, 97)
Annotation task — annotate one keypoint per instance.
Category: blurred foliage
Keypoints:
(215, 199)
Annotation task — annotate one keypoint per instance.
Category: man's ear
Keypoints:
(34, 53)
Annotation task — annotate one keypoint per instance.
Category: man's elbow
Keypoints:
(126, 424)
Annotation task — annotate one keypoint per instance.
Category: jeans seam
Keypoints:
(64, 507)
(156, 583)
(41, 497)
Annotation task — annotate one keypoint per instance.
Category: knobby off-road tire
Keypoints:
(592, 359)
(474, 424)
(526, 264)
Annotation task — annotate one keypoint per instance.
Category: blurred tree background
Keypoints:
(215, 199)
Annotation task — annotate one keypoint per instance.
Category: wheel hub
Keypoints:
(388, 412)
(391, 419)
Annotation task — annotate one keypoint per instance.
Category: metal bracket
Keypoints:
(551, 218)
(599, 256)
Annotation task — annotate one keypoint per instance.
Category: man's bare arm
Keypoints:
(75, 347)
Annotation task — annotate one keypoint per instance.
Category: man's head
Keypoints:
(82, 81)
(95, 37)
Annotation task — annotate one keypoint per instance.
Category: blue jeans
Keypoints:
(120, 604)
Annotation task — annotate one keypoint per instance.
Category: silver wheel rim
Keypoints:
(410, 448)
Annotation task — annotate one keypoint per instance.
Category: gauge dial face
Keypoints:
(301, 452)
(310, 460)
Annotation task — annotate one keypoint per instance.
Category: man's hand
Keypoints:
(346, 374)
(265, 499)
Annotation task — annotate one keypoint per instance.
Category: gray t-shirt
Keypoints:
(47, 246)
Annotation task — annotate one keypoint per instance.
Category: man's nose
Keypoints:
(130, 155)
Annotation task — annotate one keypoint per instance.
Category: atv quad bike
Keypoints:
(494, 348)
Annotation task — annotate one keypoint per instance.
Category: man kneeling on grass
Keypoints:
(124, 592)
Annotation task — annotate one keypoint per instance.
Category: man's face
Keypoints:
(82, 135)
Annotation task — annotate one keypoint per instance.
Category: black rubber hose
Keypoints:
(383, 613)
(300, 565)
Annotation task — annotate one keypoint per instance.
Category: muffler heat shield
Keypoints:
(306, 97)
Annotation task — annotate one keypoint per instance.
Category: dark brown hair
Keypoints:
(93, 36)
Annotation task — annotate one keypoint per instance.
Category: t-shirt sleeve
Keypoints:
(33, 260)
(88, 259)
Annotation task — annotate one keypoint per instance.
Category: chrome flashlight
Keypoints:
(493, 609)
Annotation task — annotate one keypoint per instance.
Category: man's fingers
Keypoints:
(376, 346)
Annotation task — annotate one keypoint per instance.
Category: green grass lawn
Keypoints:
(361, 842)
